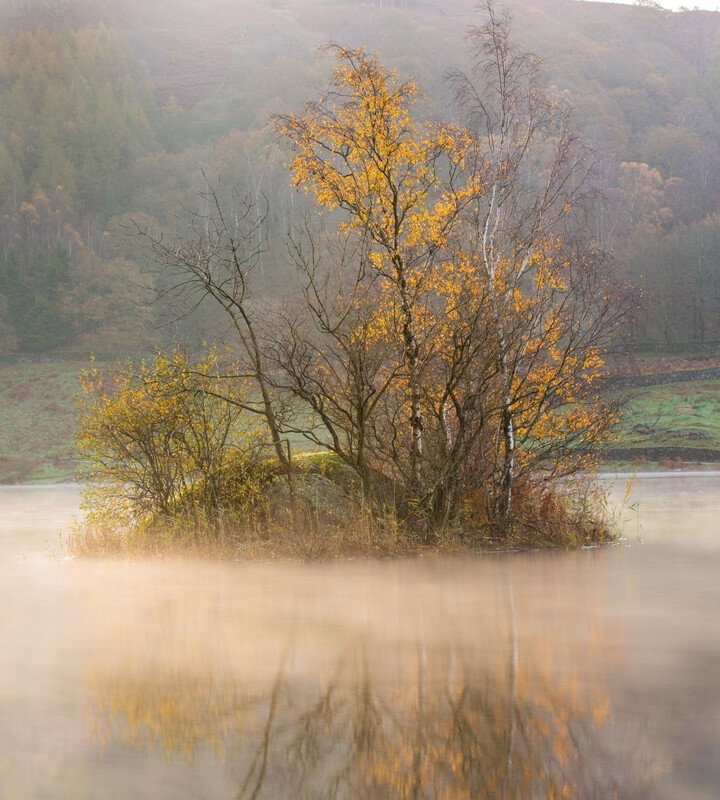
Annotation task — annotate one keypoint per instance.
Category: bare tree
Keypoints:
(324, 354)
(216, 259)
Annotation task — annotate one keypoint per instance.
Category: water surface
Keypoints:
(581, 674)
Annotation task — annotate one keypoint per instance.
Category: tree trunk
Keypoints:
(412, 356)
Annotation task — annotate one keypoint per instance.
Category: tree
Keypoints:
(528, 234)
(398, 184)
(678, 274)
(472, 264)
(216, 260)
(42, 326)
(105, 302)
(8, 339)
(446, 335)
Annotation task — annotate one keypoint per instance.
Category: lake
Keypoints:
(585, 674)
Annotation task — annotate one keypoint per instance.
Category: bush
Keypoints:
(164, 438)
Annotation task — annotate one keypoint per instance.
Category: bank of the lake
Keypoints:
(672, 418)
(38, 420)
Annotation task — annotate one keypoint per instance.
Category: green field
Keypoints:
(37, 421)
(674, 414)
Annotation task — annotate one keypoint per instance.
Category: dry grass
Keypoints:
(550, 517)
(105, 540)
(38, 415)
(550, 520)
(233, 539)
(545, 516)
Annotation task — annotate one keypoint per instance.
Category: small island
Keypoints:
(431, 378)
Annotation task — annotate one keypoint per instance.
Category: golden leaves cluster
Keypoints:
(406, 186)
(359, 149)
(152, 433)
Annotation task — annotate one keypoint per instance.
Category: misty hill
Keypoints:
(110, 111)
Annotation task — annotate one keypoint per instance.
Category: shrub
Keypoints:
(165, 437)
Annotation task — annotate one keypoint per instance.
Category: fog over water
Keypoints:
(673, 5)
(510, 676)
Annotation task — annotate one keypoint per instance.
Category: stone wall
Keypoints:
(703, 454)
(682, 376)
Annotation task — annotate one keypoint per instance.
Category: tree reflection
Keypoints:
(442, 722)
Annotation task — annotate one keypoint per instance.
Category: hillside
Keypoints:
(125, 105)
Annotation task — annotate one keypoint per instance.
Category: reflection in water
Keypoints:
(588, 674)
(437, 719)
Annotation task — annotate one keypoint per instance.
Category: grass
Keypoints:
(675, 414)
(242, 539)
(38, 418)
(362, 537)
(332, 525)
(37, 421)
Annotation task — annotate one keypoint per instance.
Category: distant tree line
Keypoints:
(104, 124)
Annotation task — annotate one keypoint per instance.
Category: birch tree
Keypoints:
(359, 150)
(476, 263)
(537, 179)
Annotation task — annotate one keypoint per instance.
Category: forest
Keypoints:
(114, 113)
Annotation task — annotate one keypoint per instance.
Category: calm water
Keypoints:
(592, 674)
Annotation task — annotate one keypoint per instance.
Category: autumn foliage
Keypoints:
(460, 354)
(445, 337)
(158, 441)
